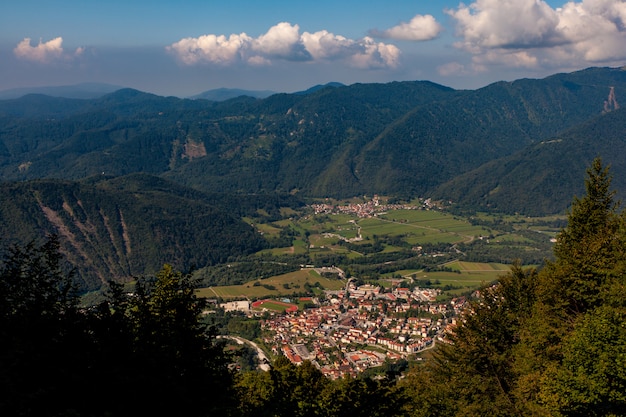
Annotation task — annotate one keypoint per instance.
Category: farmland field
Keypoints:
(465, 276)
(281, 285)
(478, 267)
(458, 253)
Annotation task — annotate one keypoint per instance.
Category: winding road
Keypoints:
(263, 360)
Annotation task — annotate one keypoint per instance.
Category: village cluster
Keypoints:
(354, 329)
(369, 208)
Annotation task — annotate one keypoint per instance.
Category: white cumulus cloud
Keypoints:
(285, 42)
(211, 48)
(43, 52)
(530, 33)
(419, 28)
(281, 41)
(375, 55)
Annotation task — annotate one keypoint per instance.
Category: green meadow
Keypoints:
(350, 237)
(281, 285)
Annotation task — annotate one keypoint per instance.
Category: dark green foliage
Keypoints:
(542, 178)
(117, 228)
(241, 326)
(290, 390)
(172, 356)
(286, 390)
(149, 351)
(42, 331)
(549, 343)
(589, 248)
(591, 380)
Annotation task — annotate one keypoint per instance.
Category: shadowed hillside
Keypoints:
(121, 228)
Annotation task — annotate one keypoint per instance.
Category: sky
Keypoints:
(185, 47)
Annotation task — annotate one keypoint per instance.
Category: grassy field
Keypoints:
(491, 237)
(478, 267)
(470, 275)
(414, 226)
(281, 285)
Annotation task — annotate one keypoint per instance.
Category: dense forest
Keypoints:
(408, 139)
(117, 228)
(541, 342)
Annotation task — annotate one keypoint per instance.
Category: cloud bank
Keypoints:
(285, 42)
(530, 33)
(44, 52)
(419, 28)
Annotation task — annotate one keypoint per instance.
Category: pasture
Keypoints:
(416, 227)
(465, 276)
(470, 276)
(281, 285)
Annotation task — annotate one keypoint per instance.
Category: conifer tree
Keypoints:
(550, 343)
(587, 249)
(564, 363)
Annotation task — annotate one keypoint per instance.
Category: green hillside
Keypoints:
(538, 179)
(401, 138)
(121, 228)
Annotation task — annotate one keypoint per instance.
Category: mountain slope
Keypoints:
(123, 227)
(542, 178)
(401, 138)
(433, 144)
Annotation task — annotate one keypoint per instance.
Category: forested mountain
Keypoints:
(401, 138)
(434, 143)
(117, 228)
(539, 179)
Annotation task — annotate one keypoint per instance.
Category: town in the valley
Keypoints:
(346, 332)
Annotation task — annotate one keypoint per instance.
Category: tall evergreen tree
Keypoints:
(146, 353)
(43, 334)
(550, 343)
(172, 358)
(474, 375)
(587, 249)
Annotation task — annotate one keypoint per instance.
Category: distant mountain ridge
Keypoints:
(319, 87)
(405, 139)
(222, 94)
(79, 91)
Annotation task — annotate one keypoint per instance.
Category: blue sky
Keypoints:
(186, 47)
